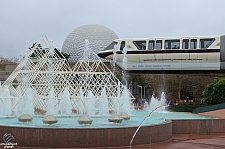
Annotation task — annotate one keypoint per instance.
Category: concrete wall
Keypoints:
(198, 126)
(88, 137)
(6, 70)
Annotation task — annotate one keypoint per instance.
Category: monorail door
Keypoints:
(159, 55)
(222, 52)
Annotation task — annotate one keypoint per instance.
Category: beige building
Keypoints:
(6, 68)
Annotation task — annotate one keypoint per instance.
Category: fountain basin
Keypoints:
(115, 119)
(68, 133)
(110, 137)
(124, 116)
(87, 137)
(84, 119)
(25, 118)
(50, 119)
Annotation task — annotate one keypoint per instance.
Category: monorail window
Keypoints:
(151, 44)
(185, 43)
(122, 45)
(110, 46)
(205, 43)
(158, 44)
(141, 45)
(193, 44)
(172, 44)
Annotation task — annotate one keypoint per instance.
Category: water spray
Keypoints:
(143, 122)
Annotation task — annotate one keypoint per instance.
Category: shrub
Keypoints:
(215, 92)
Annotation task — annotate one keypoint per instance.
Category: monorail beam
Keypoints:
(185, 72)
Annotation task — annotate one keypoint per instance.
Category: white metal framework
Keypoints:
(48, 70)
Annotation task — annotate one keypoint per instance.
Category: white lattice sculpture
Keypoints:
(43, 69)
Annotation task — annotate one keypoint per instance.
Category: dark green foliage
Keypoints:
(35, 51)
(42, 51)
(61, 54)
(215, 92)
(66, 55)
(183, 108)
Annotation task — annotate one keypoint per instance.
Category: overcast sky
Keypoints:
(22, 20)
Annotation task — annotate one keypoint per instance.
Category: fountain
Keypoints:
(77, 104)
(124, 57)
(114, 54)
(52, 87)
(50, 119)
(155, 102)
(46, 84)
(103, 104)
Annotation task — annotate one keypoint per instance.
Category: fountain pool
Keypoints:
(137, 116)
(67, 133)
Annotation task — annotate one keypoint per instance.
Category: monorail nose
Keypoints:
(103, 55)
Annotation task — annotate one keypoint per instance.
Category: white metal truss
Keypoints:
(43, 69)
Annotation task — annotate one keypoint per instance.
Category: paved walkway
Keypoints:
(216, 113)
(200, 141)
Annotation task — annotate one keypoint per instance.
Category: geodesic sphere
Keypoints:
(99, 37)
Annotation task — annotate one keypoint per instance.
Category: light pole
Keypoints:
(145, 91)
(141, 90)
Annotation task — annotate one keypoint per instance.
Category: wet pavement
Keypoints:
(194, 141)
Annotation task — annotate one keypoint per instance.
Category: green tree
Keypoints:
(43, 51)
(38, 46)
(61, 54)
(214, 92)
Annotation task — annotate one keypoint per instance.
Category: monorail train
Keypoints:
(182, 53)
